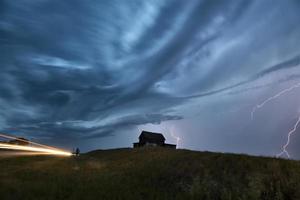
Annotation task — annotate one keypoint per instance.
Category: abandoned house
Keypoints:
(152, 139)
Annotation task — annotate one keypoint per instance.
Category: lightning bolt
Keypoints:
(255, 108)
(177, 138)
(284, 147)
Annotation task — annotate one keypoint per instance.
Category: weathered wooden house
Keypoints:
(152, 139)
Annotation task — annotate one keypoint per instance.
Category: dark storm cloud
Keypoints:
(294, 62)
(77, 70)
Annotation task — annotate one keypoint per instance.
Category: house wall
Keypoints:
(144, 141)
(150, 144)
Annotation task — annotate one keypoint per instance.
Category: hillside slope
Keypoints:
(152, 173)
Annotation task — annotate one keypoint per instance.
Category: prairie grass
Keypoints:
(149, 173)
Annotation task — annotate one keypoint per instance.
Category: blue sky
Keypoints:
(94, 74)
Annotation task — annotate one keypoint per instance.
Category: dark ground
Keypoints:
(152, 173)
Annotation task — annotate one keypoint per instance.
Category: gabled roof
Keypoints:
(152, 137)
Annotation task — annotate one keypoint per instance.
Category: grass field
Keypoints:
(151, 173)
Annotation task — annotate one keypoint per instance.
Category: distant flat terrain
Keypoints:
(153, 173)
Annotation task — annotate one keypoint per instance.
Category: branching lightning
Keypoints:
(272, 98)
(37, 148)
(255, 108)
(284, 147)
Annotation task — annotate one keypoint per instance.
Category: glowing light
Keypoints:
(34, 149)
(38, 148)
(27, 141)
(272, 98)
(284, 147)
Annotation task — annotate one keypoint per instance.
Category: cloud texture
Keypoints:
(77, 72)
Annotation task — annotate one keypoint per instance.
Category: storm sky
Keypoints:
(93, 74)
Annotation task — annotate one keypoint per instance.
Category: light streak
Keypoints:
(40, 148)
(22, 140)
(272, 98)
(34, 149)
(284, 147)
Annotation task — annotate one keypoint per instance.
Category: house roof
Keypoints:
(152, 137)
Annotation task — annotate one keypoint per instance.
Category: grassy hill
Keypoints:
(151, 173)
